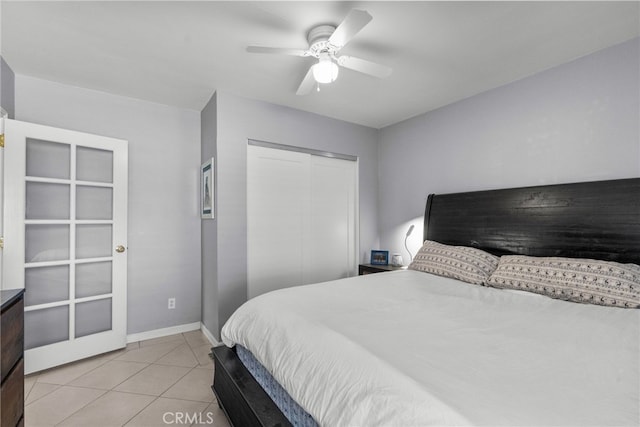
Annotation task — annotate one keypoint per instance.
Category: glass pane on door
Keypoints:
(48, 159)
(94, 202)
(46, 326)
(46, 284)
(93, 240)
(46, 242)
(47, 201)
(93, 317)
(94, 165)
(93, 278)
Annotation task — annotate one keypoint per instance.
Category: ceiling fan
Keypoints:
(325, 41)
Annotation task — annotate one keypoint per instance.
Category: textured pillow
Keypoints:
(458, 262)
(571, 279)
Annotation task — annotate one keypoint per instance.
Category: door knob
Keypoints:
(119, 248)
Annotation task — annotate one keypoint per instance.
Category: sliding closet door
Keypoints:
(301, 219)
(278, 208)
(332, 234)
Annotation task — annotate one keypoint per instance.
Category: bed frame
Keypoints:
(239, 395)
(598, 220)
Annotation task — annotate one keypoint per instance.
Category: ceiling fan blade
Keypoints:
(307, 83)
(276, 50)
(364, 66)
(352, 24)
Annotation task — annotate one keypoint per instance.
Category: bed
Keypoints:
(414, 348)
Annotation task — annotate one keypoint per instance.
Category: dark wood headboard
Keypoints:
(599, 220)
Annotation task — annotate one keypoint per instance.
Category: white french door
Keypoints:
(65, 240)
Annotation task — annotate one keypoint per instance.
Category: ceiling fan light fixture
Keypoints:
(325, 71)
(325, 43)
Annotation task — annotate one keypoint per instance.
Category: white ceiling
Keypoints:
(179, 53)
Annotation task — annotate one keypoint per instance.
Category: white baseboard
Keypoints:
(207, 333)
(163, 332)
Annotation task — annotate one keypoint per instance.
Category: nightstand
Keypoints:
(370, 268)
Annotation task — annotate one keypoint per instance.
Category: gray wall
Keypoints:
(575, 122)
(7, 88)
(164, 160)
(209, 130)
(240, 119)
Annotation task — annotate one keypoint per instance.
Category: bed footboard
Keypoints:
(239, 395)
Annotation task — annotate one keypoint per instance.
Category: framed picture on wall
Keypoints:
(207, 196)
(380, 257)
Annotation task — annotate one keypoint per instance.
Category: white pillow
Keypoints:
(458, 262)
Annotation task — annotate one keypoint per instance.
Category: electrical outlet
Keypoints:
(172, 303)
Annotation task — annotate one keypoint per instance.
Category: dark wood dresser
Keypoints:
(11, 360)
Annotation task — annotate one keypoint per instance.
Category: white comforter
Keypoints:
(408, 348)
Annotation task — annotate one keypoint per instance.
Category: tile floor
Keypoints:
(158, 382)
